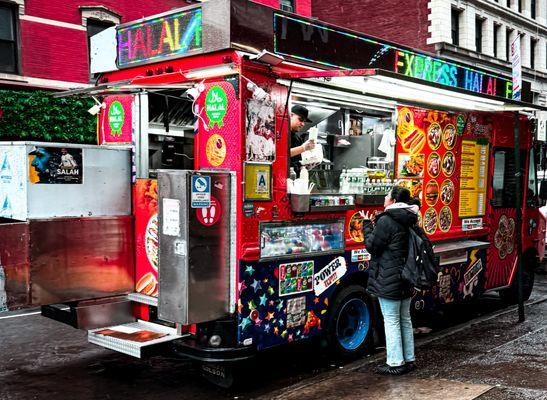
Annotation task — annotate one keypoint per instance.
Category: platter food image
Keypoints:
(430, 221)
(431, 192)
(447, 192)
(411, 165)
(445, 219)
(504, 236)
(434, 136)
(449, 163)
(434, 164)
(413, 141)
(449, 136)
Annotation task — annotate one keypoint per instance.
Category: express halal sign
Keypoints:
(171, 35)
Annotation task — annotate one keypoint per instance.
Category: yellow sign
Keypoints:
(215, 149)
(258, 181)
(473, 179)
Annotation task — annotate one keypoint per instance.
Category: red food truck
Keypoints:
(235, 251)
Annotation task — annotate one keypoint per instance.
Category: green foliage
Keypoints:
(38, 116)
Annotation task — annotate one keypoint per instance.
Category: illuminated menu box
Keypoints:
(474, 168)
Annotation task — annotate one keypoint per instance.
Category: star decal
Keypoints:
(326, 301)
(276, 330)
(271, 291)
(271, 302)
(281, 322)
(298, 332)
(270, 315)
(256, 285)
(290, 339)
(263, 299)
(242, 286)
(284, 334)
(280, 305)
(245, 322)
(249, 270)
(267, 328)
(239, 306)
(251, 305)
(316, 300)
(258, 322)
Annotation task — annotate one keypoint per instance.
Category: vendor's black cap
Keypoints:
(301, 111)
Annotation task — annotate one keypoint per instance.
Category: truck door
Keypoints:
(502, 219)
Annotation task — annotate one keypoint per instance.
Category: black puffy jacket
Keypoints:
(387, 242)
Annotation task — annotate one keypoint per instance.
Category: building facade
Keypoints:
(45, 43)
(476, 32)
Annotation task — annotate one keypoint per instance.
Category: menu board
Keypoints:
(473, 177)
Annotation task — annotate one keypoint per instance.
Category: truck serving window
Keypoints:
(504, 180)
(356, 147)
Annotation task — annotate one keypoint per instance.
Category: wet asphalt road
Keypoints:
(43, 359)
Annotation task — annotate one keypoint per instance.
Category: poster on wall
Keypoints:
(13, 183)
(146, 236)
(55, 165)
(116, 120)
(260, 131)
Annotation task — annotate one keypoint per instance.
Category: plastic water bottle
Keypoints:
(3, 295)
(292, 174)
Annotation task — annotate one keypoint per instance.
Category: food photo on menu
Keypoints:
(431, 192)
(449, 163)
(434, 134)
(447, 192)
(430, 221)
(411, 165)
(449, 136)
(434, 165)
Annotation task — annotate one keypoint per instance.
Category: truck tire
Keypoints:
(350, 327)
(510, 295)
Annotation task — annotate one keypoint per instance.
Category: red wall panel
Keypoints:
(401, 22)
(52, 52)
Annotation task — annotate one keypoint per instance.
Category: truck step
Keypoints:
(137, 339)
(143, 299)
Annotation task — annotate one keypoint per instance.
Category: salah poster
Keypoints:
(55, 165)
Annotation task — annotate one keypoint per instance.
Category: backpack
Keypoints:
(421, 266)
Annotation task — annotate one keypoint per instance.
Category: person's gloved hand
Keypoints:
(309, 145)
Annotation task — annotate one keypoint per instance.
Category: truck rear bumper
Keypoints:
(189, 347)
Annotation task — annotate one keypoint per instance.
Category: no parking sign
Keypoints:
(201, 191)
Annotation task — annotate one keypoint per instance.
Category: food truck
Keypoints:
(235, 252)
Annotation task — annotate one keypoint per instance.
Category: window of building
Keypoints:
(520, 5)
(455, 28)
(533, 9)
(94, 27)
(533, 43)
(508, 33)
(509, 3)
(8, 40)
(497, 30)
(286, 5)
(479, 22)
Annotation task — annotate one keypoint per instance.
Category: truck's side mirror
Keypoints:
(543, 190)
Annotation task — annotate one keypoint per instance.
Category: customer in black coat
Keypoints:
(386, 239)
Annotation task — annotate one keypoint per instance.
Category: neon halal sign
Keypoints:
(170, 35)
(434, 70)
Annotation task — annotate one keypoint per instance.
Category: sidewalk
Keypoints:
(489, 358)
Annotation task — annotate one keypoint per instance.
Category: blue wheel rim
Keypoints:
(353, 324)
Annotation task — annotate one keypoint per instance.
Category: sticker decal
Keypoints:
(216, 105)
(332, 272)
(209, 216)
(360, 255)
(296, 312)
(215, 149)
(295, 278)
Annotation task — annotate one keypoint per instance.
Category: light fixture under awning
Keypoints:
(387, 86)
(119, 88)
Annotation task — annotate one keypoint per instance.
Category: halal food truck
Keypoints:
(236, 253)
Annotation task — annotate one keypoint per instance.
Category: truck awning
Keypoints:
(388, 86)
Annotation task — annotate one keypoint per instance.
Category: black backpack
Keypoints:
(421, 266)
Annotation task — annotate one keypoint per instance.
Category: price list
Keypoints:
(473, 177)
